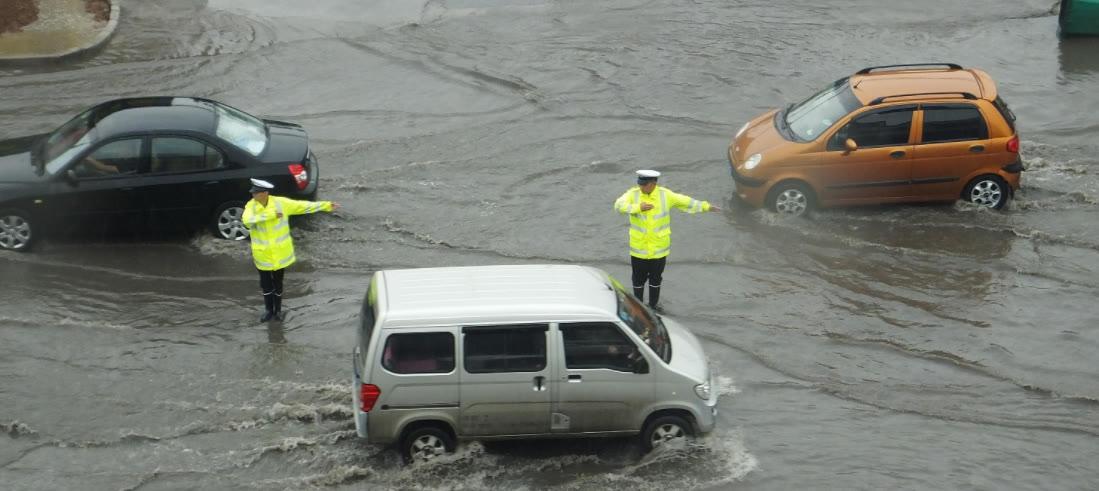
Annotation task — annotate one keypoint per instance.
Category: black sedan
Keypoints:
(153, 163)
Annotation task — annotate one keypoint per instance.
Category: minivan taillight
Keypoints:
(368, 395)
(301, 176)
(1013, 144)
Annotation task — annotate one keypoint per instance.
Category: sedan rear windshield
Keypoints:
(643, 322)
(810, 118)
(243, 130)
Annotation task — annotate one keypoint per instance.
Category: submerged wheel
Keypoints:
(790, 199)
(663, 430)
(16, 231)
(426, 444)
(227, 224)
(987, 191)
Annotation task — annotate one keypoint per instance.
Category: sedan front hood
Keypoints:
(17, 168)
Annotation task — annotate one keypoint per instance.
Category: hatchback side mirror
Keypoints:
(850, 145)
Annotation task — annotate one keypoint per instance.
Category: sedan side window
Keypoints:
(119, 157)
(597, 345)
(170, 155)
(885, 128)
(493, 349)
(953, 122)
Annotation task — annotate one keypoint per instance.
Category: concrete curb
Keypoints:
(94, 45)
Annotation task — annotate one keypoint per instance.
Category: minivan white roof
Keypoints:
(494, 294)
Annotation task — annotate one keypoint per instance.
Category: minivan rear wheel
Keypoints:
(988, 191)
(790, 199)
(663, 430)
(425, 444)
(16, 231)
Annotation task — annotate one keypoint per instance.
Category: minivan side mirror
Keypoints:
(850, 145)
(639, 363)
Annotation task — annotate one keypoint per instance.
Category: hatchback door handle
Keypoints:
(897, 154)
(977, 148)
(575, 379)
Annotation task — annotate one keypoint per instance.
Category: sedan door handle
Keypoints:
(575, 379)
(897, 154)
(977, 148)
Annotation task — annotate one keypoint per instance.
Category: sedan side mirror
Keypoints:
(850, 145)
(70, 176)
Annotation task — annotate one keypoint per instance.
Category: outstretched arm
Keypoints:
(296, 207)
(689, 204)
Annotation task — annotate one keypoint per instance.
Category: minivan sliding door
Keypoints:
(505, 380)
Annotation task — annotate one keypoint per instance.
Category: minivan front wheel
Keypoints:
(790, 199)
(226, 222)
(425, 444)
(663, 430)
(987, 192)
(16, 231)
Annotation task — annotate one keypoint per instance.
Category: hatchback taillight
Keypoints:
(301, 176)
(368, 395)
(1013, 144)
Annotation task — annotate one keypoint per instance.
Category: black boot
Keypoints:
(268, 306)
(639, 292)
(654, 297)
(278, 306)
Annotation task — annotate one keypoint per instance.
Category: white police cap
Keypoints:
(646, 175)
(259, 186)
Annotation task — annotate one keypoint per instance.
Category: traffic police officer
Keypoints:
(268, 220)
(649, 207)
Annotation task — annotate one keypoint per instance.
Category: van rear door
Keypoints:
(505, 380)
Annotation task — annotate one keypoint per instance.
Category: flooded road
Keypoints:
(916, 347)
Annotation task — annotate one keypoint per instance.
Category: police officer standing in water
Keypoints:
(268, 220)
(649, 207)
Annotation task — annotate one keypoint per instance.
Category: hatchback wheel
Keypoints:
(227, 222)
(663, 430)
(987, 192)
(426, 444)
(790, 199)
(16, 231)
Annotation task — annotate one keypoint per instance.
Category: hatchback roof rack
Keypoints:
(964, 95)
(952, 66)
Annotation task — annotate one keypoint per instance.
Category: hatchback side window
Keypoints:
(491, 349)
(426, 352)
(183, 155)
(116, 158)
(597, 345)
(953, 122)
(885, 128)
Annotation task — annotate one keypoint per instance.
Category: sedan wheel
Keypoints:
(987, 192)
(16, 233)
(229, 225)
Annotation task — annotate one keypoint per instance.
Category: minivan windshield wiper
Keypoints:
(644, 323)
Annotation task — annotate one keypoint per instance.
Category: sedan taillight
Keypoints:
(301, 176)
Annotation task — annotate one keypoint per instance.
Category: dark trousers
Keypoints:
(651, 271)
(271, 284)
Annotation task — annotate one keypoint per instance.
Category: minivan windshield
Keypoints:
(643, 322)
(808, 119)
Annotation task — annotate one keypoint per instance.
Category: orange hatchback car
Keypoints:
(888, 134)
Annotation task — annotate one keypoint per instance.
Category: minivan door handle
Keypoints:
(539, 383)
(976, 148)
(897, 154)
(575, 379)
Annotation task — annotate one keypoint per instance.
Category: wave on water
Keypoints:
(15, 429)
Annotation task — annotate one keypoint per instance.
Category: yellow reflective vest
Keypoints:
(651, 231)
(272, 247)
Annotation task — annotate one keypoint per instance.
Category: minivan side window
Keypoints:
(885, 128)
(422, 352)
(597, 345)
(953, 122)
(494, 349)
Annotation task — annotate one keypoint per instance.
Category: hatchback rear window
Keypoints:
(1005, 111)
(953, 122)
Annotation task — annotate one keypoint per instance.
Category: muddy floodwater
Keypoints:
(913, 347)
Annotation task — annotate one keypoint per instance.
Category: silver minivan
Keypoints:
(524, 351)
